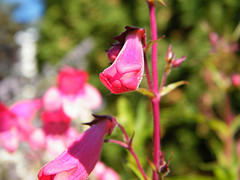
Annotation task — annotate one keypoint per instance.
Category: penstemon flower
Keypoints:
(80, 158)
(72, 93)
(126, 72)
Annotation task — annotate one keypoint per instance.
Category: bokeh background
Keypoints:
(38, 37)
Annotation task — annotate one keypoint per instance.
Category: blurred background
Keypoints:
(199, 122)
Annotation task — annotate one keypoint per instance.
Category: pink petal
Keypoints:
(52, 99)
(105, 173)
(37, 139)
(70, 80)
(90, 97)
(7, 118)
(55, 145)
(9, 140)
(26, 109)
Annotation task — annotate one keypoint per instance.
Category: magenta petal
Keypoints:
(7, 118)
(26, 109)
(71, 80)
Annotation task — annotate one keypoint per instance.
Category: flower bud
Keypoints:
(113, 52)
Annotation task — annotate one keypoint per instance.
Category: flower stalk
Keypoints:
(156, 99)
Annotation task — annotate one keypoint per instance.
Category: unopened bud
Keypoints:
(169, 56)
(177, 62)
(113, 52)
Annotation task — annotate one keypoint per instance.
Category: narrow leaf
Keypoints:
(161, 1)
(235, 126)
(167, 89)
(146, 92)
(152, 165)
(149, 44)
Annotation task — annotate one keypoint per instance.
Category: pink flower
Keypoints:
(9, 139)
(72, 93)
(26, 110)
(126, 72)
(15, 122)
(56, 133)
(79, 159)
(235, 80)
(102, 172)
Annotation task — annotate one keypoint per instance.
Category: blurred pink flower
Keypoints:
(70, 81)
(102, 172)
(126, 72)
(56, 133)
(235, 78)
(25, 110)
(15, 122)
(79, 159)
(72, 93)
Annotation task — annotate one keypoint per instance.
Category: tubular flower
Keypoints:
(80, 158)
(126, 72)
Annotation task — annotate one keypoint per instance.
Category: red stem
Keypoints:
(129, 147)
(124, 132)
(117, 142)
(154, 46)
(155, 101)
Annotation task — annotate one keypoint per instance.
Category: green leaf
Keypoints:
(146, 92)
(152, 165)
(149, 44)
(219, 126)
(235, 126)
(161, 1)
(167, 89)
(135, 169)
